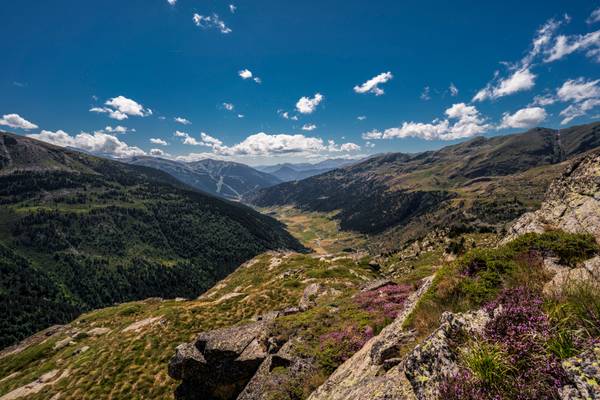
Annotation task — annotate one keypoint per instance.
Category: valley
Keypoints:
(327, 313)
(300, 200)
(475, 185)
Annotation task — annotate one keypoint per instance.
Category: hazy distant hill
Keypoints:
(222, 178)
(292, 172)
(479, 183)
(79, 232)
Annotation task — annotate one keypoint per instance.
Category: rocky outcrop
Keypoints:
(584, 371)
(435, 359)
(309, 296)
(219, 363)
(246, 363)
(277, 373)
(565, 278)
(364, 374)
(242, 362)
(572, 202)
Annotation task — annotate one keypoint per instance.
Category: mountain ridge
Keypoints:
(470, 183)
(226, 179)
(287, 172)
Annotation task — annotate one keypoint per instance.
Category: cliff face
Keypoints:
(572, 202)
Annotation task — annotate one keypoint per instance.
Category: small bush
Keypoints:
(570, 248)
(337, 347)
(515, 363)
(488, 363)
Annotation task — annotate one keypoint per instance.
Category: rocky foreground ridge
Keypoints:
(511, 325)
(572, 202)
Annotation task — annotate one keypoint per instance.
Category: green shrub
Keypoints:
(488, 363)
(571, 248)
(477, 277)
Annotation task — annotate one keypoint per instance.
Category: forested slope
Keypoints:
(79, 232)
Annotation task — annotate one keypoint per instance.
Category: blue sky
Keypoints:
(139, 64)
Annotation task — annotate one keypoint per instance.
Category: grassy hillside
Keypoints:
(122, 352)
(79, 232)
(132, 363)
(476, 184)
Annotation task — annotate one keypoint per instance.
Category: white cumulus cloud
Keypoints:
(228, 106)
(16, 121)
(117, 129)
(372, 85)
(307, 105)
(565, 45)
(182, 121)
(523, 118)
(172, 2)
(583, 94)
(121, 108)
(210, 141)
(543, 100)
(187, 139)
(309, 127)
(578, 89)
(263, 144)
(158, 153)
(578, 110)
(462, 121)
(98, 142)
(545, 47)
(247, 74)
(128, 106)
(158, 141)
(520, 80)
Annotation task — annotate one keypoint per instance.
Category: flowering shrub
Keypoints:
(379, 306)
(386, 301)
(520, 329)
(340, 345)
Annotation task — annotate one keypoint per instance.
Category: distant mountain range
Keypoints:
(480, 184)
(79, 232)
(221, 178)
(292, 172)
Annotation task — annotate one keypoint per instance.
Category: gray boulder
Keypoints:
(435, 359)
(584, 371)
(278, 375)
(219, 363)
